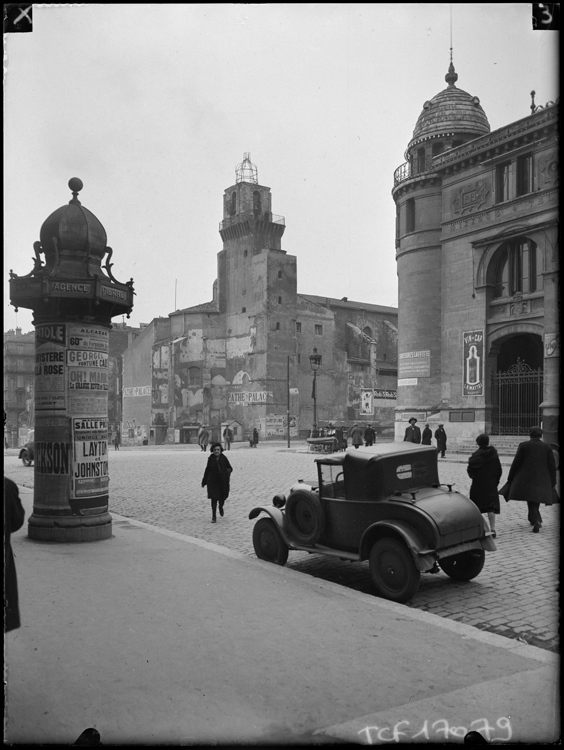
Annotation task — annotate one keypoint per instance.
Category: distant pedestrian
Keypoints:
(369, 435)
(228, 437)
(341, 439)
(412, 433)
(356, 436)
(117, 441)
(13, 520)
(216, 479)
(427, 435)
(532, 476)
(484, 468)
(203, 437)
(441, 438)
(255, 437)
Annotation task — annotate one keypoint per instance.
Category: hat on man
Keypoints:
(535, 432)
(412, 420)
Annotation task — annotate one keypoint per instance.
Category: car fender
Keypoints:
(424, 557)
(22, 451)
(276, 515)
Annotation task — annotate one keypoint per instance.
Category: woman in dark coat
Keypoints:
(532, 476)
(216, 478)
(426, 436)
(13, 520)
(484, 468)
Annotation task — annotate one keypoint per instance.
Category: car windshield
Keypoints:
(332, 481)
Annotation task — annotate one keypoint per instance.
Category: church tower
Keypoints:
(257, 295)
(448, 120)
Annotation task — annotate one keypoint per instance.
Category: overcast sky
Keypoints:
(153, 106)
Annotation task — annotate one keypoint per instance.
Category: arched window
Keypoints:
(233, 207)
(367, 330)
(256, 203)
(519, 268)
(279, 300)
(420, 160)
(279, 274)
(277, 326)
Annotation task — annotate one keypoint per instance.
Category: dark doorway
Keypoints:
(517, 385)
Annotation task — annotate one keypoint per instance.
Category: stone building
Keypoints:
(19, 374)
(477, 258)
(243, 357)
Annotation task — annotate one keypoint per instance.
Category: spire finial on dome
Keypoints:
(452, 76)
(76, 186)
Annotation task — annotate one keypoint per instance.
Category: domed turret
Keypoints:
(74, 230)
(453, 116)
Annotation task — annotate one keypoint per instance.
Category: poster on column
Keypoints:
(87, 364)
(473, 357)
(50, 369)
(90, 477)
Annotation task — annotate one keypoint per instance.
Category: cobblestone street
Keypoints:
(515, 595)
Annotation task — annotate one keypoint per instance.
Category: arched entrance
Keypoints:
(517, 385)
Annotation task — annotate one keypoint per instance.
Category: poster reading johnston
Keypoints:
(473, 356)
(90, 457)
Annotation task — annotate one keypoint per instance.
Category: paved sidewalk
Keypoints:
(155, 637)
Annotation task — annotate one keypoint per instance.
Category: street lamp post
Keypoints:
(315, 362)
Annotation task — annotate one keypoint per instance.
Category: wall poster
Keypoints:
(90, 476)
(472, 362)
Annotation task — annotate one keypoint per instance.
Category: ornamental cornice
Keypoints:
(487, 142)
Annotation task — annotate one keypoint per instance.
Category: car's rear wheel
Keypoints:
(268, 543)
(393, 570)
(464, 567)
(26, 459)
(305, 517)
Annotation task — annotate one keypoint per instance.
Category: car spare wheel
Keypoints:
(392, 568)
(305, 517)
(268, 543)
(465, 566)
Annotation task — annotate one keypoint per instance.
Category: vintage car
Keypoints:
(384, 504)
(27, 453)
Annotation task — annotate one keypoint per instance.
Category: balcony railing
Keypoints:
(263, 216)
(411, 169)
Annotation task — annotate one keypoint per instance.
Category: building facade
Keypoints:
(243, 358)
(477, 257)
(19, 374)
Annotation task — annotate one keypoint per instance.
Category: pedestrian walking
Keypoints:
(116, 441)
(216, 479)
(255, 437)
(369, 435)
(412, 433)
(426, 436)
(441, 438)
(532, 476)
(13, 520)
(228, 437)
(356, 436)
(484, 469)
(341, 439)
(203, 437)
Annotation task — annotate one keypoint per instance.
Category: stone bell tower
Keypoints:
(73, 298)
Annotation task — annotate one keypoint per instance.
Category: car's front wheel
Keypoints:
(268, 543)
(464, 567)
(393, 570)
(26, 459)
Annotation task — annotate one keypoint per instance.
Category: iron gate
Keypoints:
(516, 399)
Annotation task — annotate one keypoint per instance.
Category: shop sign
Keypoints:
(248, 397)
(414, 364)
(137, 390)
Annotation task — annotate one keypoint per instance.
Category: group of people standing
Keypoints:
(413, 435)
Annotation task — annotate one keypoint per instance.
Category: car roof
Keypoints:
(375, 452)
(381, 470)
